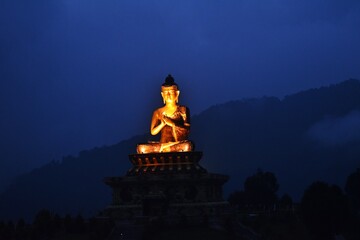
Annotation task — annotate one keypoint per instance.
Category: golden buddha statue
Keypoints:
(172, 121)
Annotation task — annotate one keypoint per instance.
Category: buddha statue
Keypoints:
(172, 121)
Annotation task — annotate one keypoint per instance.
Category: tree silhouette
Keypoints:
(261, 188)
(285, 201)
(68, 223)
(2, 228)
(79, 224)
(324, 210)
(43, 223)
(352, 189)
(20, 229)
(57, 222)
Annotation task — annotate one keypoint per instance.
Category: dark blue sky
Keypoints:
(76, 74)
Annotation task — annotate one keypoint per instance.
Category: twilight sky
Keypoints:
(75, 74)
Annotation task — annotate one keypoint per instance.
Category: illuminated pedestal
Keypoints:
(171, 185)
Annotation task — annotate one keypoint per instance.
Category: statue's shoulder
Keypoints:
(158, 111)
(183, 109)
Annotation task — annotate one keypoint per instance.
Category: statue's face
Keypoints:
(170, 95)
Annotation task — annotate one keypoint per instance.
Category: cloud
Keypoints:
(337, 131)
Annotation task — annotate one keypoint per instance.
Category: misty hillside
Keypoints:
(311, 135)
(308, 136)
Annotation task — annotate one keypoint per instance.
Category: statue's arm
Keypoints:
(155, 127)
(185, 114)
(186, 117)
(181, 131)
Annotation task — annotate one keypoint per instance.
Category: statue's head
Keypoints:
(170, 91)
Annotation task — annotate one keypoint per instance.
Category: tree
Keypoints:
(286, 201)
(43, 224)
(79, 224)
(324, 209)
(68, 223)
(352, 189)
(261, 188)
(20, 229)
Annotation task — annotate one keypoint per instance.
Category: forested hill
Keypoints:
(311, 135)
(308, 136)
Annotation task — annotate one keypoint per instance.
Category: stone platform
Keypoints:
(172, 186)
(157, 163)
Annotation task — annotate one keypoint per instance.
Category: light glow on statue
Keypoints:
(172, 121)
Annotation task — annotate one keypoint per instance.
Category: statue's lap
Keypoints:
(157, 147)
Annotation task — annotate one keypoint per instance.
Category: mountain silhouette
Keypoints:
(308, 136)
